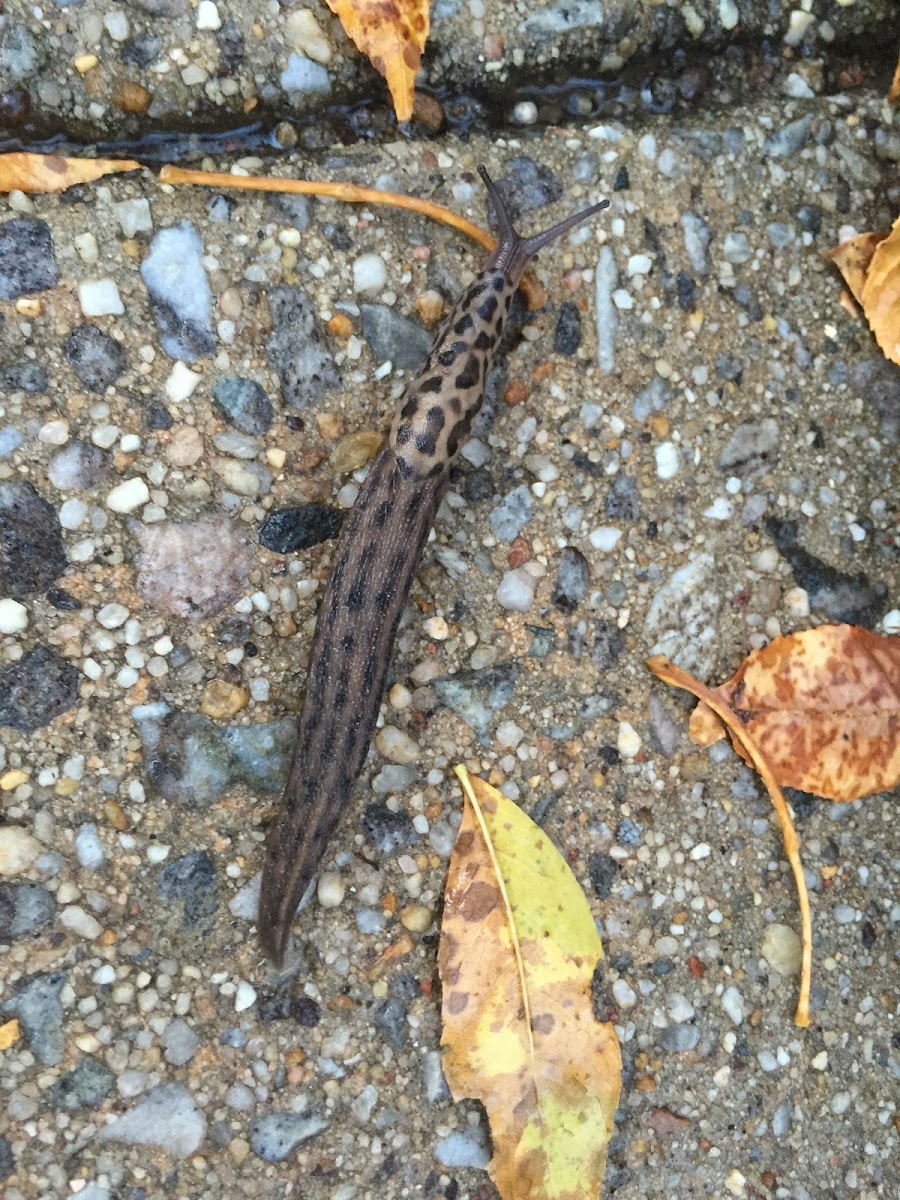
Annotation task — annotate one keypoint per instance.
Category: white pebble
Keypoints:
(244, 996)
(516, 591)
(733, 1003)
(13, 616)
(208, 15)
(629, 740)
(509, 734)
(116, 24)
(525, 113)
(666, 455)
(436, 628)
(181, 383)
(100, 298)
(623, 994)
(890, 622)
(701, 850)
(18, 850)
(729, 14)
(640, 264)
(86, 245)
(134, 216)
(89, 848)
(719, 510)
(369, 275)
(72, 514)
(331, 889)
(128, 496)
(111, 616)
(54, 433)
(396, 746)
(76, 920)
(796, 603)
(605, 538)
(304, 33)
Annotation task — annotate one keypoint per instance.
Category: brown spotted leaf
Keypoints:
(881, 294)
(392, 34)
(517, 955)
(823, 706)
(33, 173)
(853, 257)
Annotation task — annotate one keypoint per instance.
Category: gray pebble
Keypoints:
(78, 466)
(96, 358)
(509, 518)
(24, 376)
(305, 368)
(609, 642)
(622, 503)
(527, 185)
(89, 848)
(181, 298)
(24, 908)
(476, 695)
(697, 236)
(679, 1038)
(387, 831)
(38, 688)
(192, 569)
(573, 576)
(390, 1017)
(180, 1042)
(26, 258)
(86, 1086)
(37, 1006)
(736, 247)
(32, 554)
(166, 1116)
(651, 399)
(278, 1134)
(243, 404)
(393, 777)
(464, 1148)
(190, 881)
(789, 139)
(752, 444)
(391, 336)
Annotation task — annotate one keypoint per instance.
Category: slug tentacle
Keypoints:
(376, 559)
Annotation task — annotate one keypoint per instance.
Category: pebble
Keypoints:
(77, 467)
(528, 185)
(752, 446)
(134, 216)
(417, 918)
(607, 318)
(27, 264)
(100, 298)
(396, 745)
(180, 1042)
(305, 76)
(181, 383)
(733, 1003)
(395, 338)
(244, 404)
(609, 642)
(463, 1148)
(567, 336)
(181, 299)
(26, 376)
(369, 275)
(605, 538)
(221, 699)
(666, 456)
(682, 620)
(208, 15)
(511, 516)
(331, 889)
(37, 1006)
(33, 554)
(276, 1135)
(166, 1117)
(788, 140)
(38, 688)
(13, 616)
(19, 850)
(86, 1086)
(781, 948)
(244, 996)
(191, 882)
(24, 907)
(192, 569)
(624, 994)
(296, 349)
(304, 33)
(387, 831)
(516, 591)
(697, 236)
(128, 495)
(78, 921)
(89, 848)
(679, 1038)
(602, 871)
(475, 695)
(300, 527)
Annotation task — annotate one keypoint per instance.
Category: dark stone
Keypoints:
(390, 1017)
(567, 337)
(610, 755)
(288, 529)
(37, 1006)
(143, 50)
(274, 1005)
(306, 1012)
(15, 107)
(603, 1003)
(542, 641)
(628, 833)
(157, 416)
(230, 41)
(26, 258)
(525, 186)
(244, 404)
(7, 1159)
(86, 1086)
(573, 578)
(622, 503)
(63, 600)
(24, 908)
(304, 367)
(662, 967)
(162, 8)
(842, 597)
(387, 831)
(24, 376)
(809, 218)
(37, 689)
(621, 183)
(679, 1038)
(803, 803)
(729, 368)
(392, 336)
(32, 553)
(602, 871)
(686, 291)
(191, 881)
(478, 485)
(405, 987)
(747, 298)
(96, 358)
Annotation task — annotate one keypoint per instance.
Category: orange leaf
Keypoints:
(852, 259)
(392, 34)
(51, 173)
(894, 91)
(824, 708)
(881, 294)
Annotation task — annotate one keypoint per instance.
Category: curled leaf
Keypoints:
(881, 294)
(824, 708)
(517, 955)
(392, 34)
(33, 173)
(853, 257)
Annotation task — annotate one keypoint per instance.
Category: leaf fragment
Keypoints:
(392, 35)
(517, 955)
(34, 173)
(881, 294)
(853, 257)
(823, 706)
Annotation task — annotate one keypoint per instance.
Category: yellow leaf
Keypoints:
(894, 92)
(51, 173)
(881, 294)
(392, 34)
(517, 955)
(853, 257)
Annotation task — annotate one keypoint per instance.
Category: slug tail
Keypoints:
(513, 252)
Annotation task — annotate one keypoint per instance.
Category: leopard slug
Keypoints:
(376, 558)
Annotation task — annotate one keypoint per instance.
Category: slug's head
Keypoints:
(513, 252)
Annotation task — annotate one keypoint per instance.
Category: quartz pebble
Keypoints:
(13, 616)
(516, 591)
(166, 1116)
(330, 890)
(100, 298)
(397, 745)
(781, 949)
(129, 495)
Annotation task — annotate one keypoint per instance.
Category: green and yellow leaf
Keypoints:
(517, 955)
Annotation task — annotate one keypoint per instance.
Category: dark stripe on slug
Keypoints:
(426, 443)
(382, 512)
(488, 307)
(347, 643)
(434, 384)
(356, 595)
(404, 470)
(404, 433)
(435, 418)
(484, 341)
(449, 356)
(464, 324)
(469, 375)
(369, 670)
(383, 600)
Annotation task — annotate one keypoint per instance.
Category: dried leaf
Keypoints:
(852, 259)
(392, 34)
(881, 294)
(824, 708)
(894, 90)
(52, 173)
(663, 669)
(517, 955)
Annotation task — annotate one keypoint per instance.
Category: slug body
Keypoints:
(376, 559)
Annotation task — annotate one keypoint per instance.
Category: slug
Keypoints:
(376, 558)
